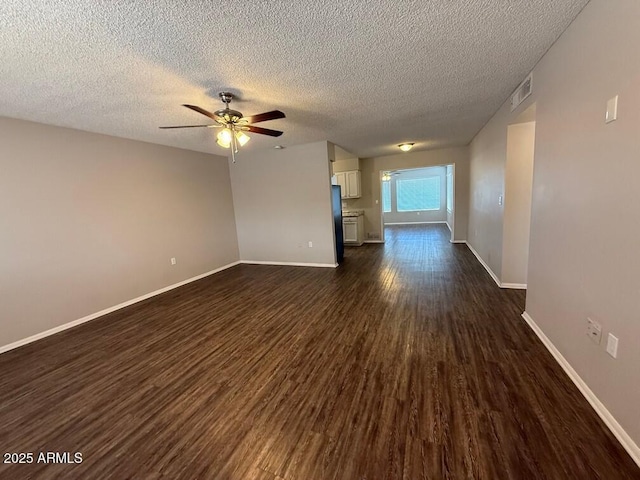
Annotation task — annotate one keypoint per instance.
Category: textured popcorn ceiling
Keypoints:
(365, 74)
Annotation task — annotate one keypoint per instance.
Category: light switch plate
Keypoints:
(594, 331)
(612, 110)
(612, 345)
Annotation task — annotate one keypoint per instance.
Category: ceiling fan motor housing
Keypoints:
(226, 114)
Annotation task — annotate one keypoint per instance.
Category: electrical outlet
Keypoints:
(612, 345)
(594, 331)
(173, 260)
(310, 244)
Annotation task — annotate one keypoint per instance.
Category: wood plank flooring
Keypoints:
(406, 362)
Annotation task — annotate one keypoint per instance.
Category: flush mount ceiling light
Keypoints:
(405, 147)
(234, 125)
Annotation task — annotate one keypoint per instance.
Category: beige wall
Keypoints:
(585, 220)
(90, 221)
(517, 202)
(346, 165)
(282, 201)
(371, 168)
(486, 185)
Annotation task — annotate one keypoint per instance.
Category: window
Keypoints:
(418, 194)
(386, 197)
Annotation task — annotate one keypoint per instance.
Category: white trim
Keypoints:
(515, 286)
(93, 316)
(412, 223)
(448, 226)
(486, 267)
(374, 241)
(289, 264)
(623, 437)
(457, 241)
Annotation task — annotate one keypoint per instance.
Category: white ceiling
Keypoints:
(364, 74)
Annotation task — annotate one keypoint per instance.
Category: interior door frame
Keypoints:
(453, 197)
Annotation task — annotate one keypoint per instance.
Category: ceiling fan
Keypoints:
(234, 124)
(386, 176)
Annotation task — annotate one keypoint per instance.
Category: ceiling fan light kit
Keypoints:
(234, 124)
(224, 138)
(242, 138)
(405, 147)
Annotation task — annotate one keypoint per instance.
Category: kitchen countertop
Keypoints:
(352, 213)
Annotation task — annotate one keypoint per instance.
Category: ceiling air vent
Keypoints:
(522, 92)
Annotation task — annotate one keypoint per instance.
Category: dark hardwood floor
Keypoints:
(407, 362)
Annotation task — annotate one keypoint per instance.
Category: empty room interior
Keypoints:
(313, 240)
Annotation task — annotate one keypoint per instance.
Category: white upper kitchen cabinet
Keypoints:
(349, 183)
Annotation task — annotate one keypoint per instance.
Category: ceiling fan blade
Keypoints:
(262, 131)
(263, 117)
(200, 110)
(193, 126)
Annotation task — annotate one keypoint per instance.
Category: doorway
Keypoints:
(518, 186)
(415, 196)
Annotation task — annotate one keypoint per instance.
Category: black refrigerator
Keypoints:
(336, 202)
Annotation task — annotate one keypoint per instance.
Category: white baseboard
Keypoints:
(625, 440)
(374, 241)
(486, 267)
(289, 264)
(412, 223)
(515, 286)
(457, 241)
(93, 316)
